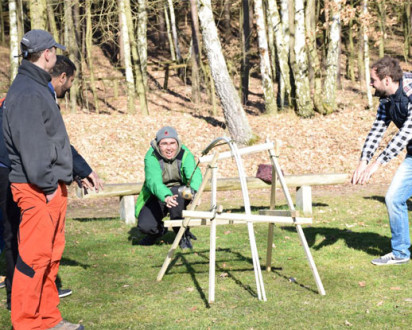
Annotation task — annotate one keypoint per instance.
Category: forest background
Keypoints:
(296, 71)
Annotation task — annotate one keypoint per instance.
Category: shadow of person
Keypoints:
(381, 199)
(369, 242)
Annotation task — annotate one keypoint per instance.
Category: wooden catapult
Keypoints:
(216, 215)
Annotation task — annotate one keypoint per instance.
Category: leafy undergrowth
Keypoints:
(114, 282)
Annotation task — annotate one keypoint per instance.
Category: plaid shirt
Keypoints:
(381, 123)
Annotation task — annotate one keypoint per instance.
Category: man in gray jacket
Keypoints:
(41, 166)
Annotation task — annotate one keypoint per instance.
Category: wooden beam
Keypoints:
(225, 184)
(246, 217)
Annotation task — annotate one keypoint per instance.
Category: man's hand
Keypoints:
(171, 201)
(358, 172)
(92, 181)
(364, 172)
(49, 197)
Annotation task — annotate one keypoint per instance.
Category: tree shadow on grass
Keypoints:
(369, 242)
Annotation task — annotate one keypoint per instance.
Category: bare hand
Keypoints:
(49, 197)
(358, 172)
(364, 173)
(92, 181)
(171, 201)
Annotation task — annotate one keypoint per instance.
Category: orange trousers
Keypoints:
(34, 296)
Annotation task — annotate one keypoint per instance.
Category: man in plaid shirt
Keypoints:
(394, 87)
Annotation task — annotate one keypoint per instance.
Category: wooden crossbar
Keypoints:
(247, 217)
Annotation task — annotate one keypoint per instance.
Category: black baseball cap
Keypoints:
(38, 40)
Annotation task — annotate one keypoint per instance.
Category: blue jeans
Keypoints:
(398, 193)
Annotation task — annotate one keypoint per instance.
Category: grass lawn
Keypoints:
(114, 282)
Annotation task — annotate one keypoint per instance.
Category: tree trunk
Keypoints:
(361, 62)
(142, 38)
(20, 18)
(161, 25)
(89, 45)
(14, 40)
(2, 34)
(267, 82)
(245, 65)
(235, 116)
(137, 65)
(284, 14)
(52, 22)
(70, 43)
(127, 58)
(195, 58)
(304, 106)
(351, 51)
(316, 77)
(332, 60)
(169, 35)
(284, 87)
(226, 20)
(366, 57)
(407, 47)
(174, 31)
(382, 24)
(38, 14)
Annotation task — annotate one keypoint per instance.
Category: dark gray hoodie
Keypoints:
(34, 132)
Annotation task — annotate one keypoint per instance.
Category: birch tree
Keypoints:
(89, 45)
(284, 87)
(314, 61)
(38, 14)
(127, 57)
(195, 56)
(235, 116)
(332, 59)
(14, 40)
(265, 70)
(70, 42)
(137, 65)
(304, 106)
(141, 38)
(366, 53)
(174, 30)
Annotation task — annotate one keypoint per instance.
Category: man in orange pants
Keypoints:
(41, 166)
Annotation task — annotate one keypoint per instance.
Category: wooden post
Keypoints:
(182, 229)
(304, 199)
(271, 207)
(127, 210)
(212, 252)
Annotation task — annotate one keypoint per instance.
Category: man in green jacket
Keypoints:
(169, 165)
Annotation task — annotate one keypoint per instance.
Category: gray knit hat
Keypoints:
(166, 132)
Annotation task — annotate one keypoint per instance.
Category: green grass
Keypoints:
(114, 282)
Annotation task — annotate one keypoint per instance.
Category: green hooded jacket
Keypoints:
(154, 174)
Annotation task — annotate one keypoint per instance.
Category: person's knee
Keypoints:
(394, 200)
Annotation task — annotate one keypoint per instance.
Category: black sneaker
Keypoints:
(185, 243)
(148, 240)
(64, 292)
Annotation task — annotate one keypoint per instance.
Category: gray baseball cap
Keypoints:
(38, 40)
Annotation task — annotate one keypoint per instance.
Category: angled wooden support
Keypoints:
(299, 229)
(185, 223)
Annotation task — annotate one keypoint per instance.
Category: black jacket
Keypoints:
(34, 132)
